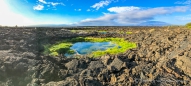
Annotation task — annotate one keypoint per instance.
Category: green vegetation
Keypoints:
(121, 32)
(55, 50)
(46, 49)
(122, 47)
(64, 46)
(73, 31)
(128, 32)
(188, 25)
(151, 30)
(77, 31)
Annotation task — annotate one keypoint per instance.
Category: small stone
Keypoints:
(95, 64)
(116, 64)
(113, 78)
(72, 64)
(105, 59)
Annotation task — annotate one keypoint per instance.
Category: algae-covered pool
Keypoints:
(89, 46)
(83, 48)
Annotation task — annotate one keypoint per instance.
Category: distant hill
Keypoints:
(153, 23)
(50, 25)
(148, 23)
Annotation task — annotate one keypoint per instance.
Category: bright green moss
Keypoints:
(54, 54)
(188, 25)
(122, 32)
(128, 32)
(64, 46)
(70, 51)
(73, 31)
(121, 47)
(57, 49)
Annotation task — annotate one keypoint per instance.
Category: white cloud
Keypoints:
(132, 17)
(43, 1)
(55, 3)
(100, 4)
(187, 2)
(122, 9)
(50, 3)
(38, 7)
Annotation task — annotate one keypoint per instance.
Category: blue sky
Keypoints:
(94, 12)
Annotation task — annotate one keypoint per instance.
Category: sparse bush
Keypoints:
(46, 49)
(188, 25)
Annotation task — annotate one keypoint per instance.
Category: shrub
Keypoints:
(46, 49)
(188, 25)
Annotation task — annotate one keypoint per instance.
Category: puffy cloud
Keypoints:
(38, 7)
(51, 3)
(187, 2)
(55, 3)
(100, 4)
(132, 17)
(43, 1)
(123, 9)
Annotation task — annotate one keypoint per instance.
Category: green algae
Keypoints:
(62, 47)
(128, 32)
(188, 25)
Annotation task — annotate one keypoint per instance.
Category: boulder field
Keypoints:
(162, 57)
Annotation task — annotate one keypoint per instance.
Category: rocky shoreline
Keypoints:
(162, 57)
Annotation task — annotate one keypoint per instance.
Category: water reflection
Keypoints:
(83, 48)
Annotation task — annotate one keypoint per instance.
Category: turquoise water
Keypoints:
(83, 48)
(103, 32)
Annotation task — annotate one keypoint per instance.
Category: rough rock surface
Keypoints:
(162, 57)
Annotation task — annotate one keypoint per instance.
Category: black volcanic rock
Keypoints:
(163, 57)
